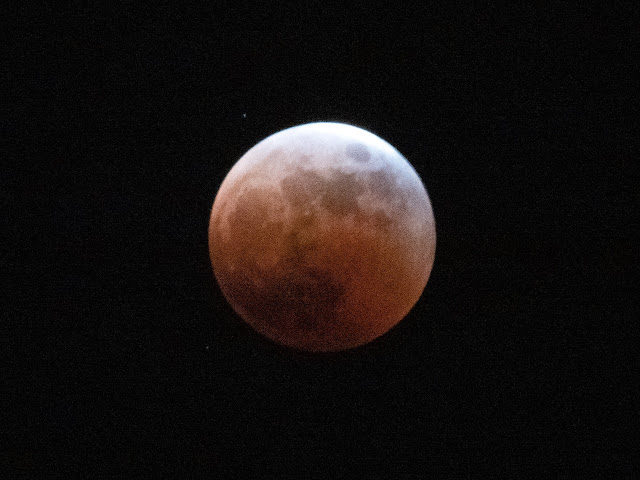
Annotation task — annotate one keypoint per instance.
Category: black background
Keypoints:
(121, 123)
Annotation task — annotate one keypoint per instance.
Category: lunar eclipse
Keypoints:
(322, 237)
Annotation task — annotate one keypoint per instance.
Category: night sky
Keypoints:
(123, 356)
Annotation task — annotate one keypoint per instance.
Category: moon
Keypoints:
(322, 237)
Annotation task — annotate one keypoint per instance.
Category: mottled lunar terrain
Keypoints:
(322, 237)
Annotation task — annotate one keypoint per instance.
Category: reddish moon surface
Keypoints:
(322, 237)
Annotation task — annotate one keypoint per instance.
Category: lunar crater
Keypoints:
(358, 151)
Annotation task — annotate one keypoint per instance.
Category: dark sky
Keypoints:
(121, 123)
